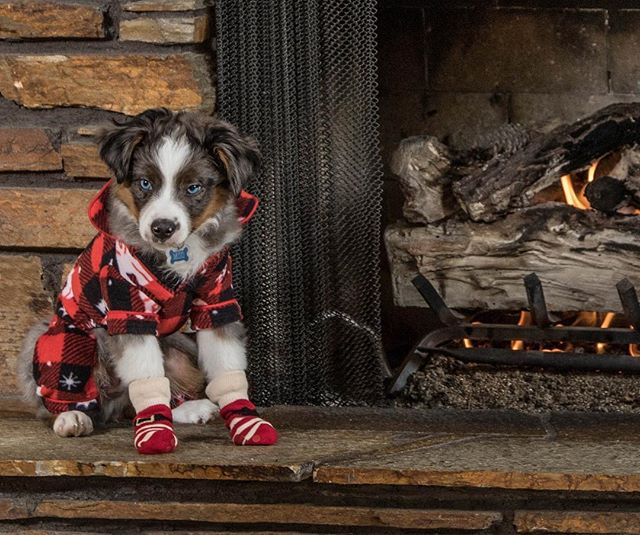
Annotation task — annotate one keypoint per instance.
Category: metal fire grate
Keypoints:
(454, 330)
(301, 78)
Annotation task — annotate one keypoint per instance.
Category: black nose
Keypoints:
(163, 228)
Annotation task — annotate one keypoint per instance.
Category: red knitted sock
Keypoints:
(154, 430)
(245, 425)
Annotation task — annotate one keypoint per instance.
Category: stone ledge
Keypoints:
(503, 462)
(377, 450)
(583, 522)
(30, 449)
(218, 485)
(513, 480)
(235, 513)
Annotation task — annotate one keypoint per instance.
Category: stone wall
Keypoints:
(65, 68)
(452, 69)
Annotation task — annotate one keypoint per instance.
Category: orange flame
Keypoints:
(592, 172)
(525, 319)
(633, 349)
(570, 195)
(606, 323)
(586, 318)
(468, 344)
(577, 200)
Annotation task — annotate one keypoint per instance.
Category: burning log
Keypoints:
(504, 184)
(627, 171)
(421, 164)
(608, 194)
(578, 255)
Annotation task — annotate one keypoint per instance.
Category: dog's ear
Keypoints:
(118, 142)
(237, 156)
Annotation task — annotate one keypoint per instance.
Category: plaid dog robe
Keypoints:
(111, 286)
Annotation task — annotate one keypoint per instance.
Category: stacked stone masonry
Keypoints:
(67, 67)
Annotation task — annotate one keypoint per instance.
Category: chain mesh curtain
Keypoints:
(300, 76)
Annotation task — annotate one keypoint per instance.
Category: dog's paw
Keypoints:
(72, 424)
(197, 411)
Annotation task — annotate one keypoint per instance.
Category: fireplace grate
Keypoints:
(455, 329)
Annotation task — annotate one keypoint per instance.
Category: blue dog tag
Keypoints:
(179, 255)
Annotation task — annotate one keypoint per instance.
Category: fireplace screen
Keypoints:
(301, 78)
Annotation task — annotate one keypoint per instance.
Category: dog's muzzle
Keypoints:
(163, 229)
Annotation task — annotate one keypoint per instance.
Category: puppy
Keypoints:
(160, 258)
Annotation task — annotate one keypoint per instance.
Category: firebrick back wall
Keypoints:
(66, 67)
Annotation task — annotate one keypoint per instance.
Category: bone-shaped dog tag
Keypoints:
(179, 255)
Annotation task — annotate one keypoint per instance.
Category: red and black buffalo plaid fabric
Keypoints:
(111, 286)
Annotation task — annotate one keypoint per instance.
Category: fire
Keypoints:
(525, 319)
(468, 344)
(592, 172)
(633, 349)
(578, 200)
(606, 323)
(585, 318)
(571, 197)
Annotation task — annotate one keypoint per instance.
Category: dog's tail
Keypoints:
(24, 368)
(181, 367)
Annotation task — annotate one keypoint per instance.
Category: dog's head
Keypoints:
(176, 174)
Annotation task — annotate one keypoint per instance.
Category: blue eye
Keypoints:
(194, 189)
(145, 185)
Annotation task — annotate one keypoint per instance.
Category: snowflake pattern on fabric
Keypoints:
(69, 381)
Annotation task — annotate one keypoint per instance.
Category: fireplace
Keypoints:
(510, 135)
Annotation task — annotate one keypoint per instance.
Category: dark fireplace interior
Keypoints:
(501, 93)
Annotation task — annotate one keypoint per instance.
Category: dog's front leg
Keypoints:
(222, 358)
(139, 365)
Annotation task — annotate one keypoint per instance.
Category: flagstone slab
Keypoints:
(503, 462)
(29, 448)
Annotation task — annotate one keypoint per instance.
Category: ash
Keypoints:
(443, 382)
